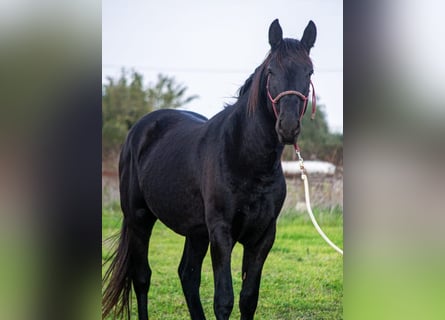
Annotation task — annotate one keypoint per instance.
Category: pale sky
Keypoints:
(213, 46)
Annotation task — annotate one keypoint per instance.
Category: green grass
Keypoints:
(302, 276)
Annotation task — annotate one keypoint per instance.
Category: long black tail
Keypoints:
(117, 280)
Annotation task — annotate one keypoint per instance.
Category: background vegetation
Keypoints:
(126, 99)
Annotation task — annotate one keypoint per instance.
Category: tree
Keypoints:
(125, 100)
(168, 94)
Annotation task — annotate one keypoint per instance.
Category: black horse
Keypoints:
(216, 182)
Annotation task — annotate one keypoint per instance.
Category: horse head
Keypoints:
(287, 72)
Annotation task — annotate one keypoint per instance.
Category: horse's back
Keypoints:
(154, 125)
(161, 155)
(153, 128)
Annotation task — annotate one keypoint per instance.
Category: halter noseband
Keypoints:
(297, 93)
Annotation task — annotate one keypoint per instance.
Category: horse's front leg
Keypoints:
(221, 244)
(253, 260)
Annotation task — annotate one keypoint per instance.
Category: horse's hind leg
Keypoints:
(189, 270)
(141, 272)
(141, 225)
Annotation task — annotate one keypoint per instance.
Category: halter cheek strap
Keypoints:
(297, 93)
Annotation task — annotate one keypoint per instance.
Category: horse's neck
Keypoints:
(254, 141)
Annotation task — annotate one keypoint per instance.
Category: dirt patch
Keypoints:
(110, 187)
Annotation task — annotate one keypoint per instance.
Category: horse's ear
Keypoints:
(275, 34)
(309, 35)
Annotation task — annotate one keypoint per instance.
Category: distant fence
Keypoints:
(325, 183)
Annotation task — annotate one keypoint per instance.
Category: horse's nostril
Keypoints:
(288, 131)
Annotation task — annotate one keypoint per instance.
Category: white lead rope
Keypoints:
(308, 205)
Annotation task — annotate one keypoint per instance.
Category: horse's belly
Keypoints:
(178, 206)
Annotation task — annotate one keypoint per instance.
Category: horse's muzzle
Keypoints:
(288, 135)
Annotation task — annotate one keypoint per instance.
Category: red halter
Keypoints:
(297, 93)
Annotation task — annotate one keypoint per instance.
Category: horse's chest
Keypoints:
(253, 214)
(258, 195)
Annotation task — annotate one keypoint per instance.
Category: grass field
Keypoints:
(302, 277)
